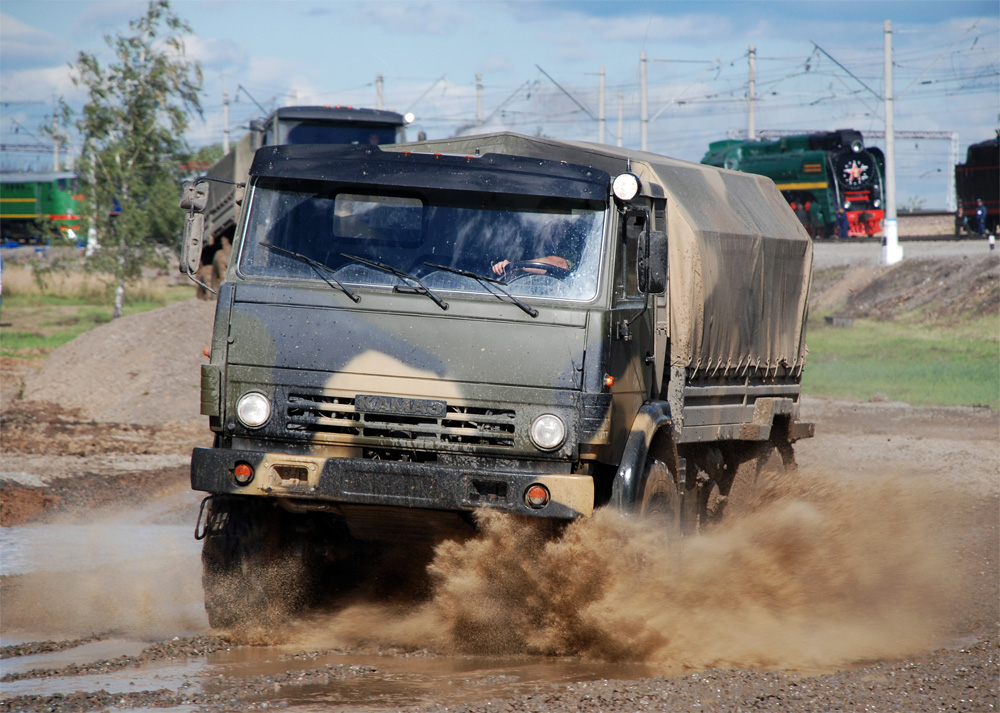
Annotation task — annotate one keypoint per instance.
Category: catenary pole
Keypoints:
(892, 252)
(643, 105)
(225, 122)
(600, 106)
(479, 99)
(621, 115)
(752, 94)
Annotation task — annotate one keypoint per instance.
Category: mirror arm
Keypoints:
(194, 279)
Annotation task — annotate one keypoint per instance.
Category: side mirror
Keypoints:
(652, 261)
(193, 200)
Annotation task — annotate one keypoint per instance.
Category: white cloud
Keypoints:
(41, 85)
(106, 17)
(23, 46)
(216, 55)
(437, 19)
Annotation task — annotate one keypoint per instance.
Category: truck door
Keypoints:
(630, 349)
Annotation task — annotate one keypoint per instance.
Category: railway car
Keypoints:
(28, 200)
(979, 177)
(816, 173)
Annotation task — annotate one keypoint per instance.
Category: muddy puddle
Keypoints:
(104, 592)
(816, 578)
(363, 681)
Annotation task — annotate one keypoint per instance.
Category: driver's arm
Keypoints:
(553, 260)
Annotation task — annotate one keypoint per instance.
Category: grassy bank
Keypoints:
(921, 364)
(37, 318)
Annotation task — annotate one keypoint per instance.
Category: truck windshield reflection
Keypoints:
(536, 246)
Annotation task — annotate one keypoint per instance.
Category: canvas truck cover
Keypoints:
(740, 262)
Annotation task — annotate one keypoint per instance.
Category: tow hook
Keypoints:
(204, 523)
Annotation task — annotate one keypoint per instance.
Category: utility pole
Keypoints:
(621, 115)
(892, 252)
(225, 122)
(752, 94)
(378, 90)
(600, 105)
(643, 106)
(55, 139)
(951, 200)
(479, 99)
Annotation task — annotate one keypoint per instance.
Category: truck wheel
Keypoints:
(660, 500)
(250, 580)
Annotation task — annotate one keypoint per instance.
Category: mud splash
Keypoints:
(821, 572)
(127, 572)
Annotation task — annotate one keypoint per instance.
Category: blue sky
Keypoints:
(279, 52)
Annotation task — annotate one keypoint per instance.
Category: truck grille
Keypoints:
(338, 416)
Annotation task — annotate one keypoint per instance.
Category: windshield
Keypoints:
(304, 132)
(536, 246)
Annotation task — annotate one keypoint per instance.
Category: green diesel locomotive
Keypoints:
(28, 200)
(816, 173)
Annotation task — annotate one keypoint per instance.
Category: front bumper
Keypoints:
(389, 483)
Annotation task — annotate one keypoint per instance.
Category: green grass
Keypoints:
(31, 326)
(920, 364)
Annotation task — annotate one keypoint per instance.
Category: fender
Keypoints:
(626, 489)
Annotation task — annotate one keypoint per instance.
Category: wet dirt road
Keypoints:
(871, 584)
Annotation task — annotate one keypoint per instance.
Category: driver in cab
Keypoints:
(552, 238)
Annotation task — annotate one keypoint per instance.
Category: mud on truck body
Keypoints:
(374, 381)
(286, 125)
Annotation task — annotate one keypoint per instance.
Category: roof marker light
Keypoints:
(625, 186)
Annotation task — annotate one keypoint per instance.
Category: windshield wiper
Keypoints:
(484, 281)
(422, 288)
(316, 265)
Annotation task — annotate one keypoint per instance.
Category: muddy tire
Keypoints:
(660, 499)
(251, 579)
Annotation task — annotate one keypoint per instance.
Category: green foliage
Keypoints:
(132, 127)
(957, 365)
(207, 154)
(35, 325)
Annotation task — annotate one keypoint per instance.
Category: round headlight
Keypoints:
(625, 186)
(253, 409)
(548, 432)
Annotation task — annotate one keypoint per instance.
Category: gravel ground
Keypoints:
(856, 254)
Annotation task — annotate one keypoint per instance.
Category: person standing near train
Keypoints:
(980, 218)
(843, 224)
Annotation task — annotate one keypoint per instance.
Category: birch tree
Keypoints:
(132, 128)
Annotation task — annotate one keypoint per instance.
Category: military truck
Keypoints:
(286, 125)
(408, 334)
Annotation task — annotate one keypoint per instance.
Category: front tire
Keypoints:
(250, 578)
(660, 498)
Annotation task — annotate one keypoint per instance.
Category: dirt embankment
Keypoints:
(140, 369)
(930, 287)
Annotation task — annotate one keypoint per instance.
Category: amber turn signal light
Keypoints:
(536, 496)
(243, 473)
